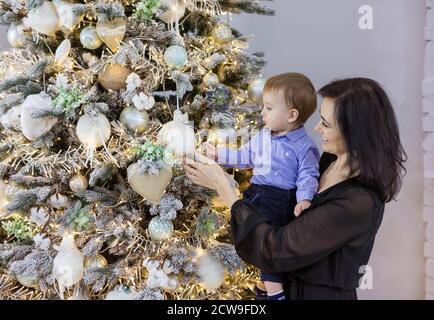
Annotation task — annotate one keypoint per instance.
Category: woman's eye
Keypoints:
(324, 124)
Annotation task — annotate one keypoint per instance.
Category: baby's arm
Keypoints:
(233, 158)
(307, 180)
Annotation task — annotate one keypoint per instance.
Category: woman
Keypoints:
(324, 250)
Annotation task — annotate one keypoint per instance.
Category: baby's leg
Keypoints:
(274, 285)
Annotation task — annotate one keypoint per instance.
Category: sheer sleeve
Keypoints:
(308, 239)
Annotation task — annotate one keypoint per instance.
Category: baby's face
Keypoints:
(275, 112)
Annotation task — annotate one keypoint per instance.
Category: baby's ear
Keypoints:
(293, 115)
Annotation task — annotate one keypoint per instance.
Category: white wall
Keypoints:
(322, 39)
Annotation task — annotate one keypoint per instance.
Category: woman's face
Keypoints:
(332, 140)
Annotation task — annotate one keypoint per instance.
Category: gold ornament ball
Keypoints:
(223, 136)
(256, 90)
(94, 262)
(29, 282)
(78, 183)
(210, 80)
(114, 77)
(134, 119)
(222, 33)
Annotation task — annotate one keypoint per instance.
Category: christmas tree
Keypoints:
(100, 101)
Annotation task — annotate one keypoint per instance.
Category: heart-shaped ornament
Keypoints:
(112, 32)
(150, 187)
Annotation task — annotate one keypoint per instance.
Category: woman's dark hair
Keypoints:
(368, 124)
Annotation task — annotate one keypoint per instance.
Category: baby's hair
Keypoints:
(298, 90)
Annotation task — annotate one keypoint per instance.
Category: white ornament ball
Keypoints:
(90, 39)
(34, 128)
(59, 201)
(121, 292)
(78, 183)
(44, 19)
(15, 36)
(93, 130)
(256, 90)
(210, 272)
(134, 119)
(222, 33)
(62, 51)
(175, 56)
(210, 80)
(160, 229)
(173, 10)
(177, 135)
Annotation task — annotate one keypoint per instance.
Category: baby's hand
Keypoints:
(210, 151)
(302, 205)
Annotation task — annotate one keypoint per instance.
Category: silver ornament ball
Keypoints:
(160, 229)
(175, 56)
(210, 80)
(256, 90)
(134, 119)
(222, 33)
(89, 38)
(78, 183)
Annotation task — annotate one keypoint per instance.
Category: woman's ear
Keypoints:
(293, 115)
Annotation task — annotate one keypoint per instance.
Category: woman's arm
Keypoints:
(308, 239)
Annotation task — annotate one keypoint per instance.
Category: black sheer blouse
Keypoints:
(321, 251)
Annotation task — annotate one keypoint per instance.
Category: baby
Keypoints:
(285, 160)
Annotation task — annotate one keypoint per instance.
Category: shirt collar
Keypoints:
(293, 135)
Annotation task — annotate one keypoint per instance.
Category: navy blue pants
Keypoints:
(278, 206)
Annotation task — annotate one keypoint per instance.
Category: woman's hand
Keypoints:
(207, 173)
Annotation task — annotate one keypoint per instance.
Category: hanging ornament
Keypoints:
(210, 80)
(114, 77)
(222, 33)
(256, 90)
(175, 56)
(34, 128)
(135, 120)
(68, 264)
(112, 32)
(159, 229)
(43, 19)
(173, 10)
(59, 201)
(95, 262)
(28, 281)
(62, 51)
(177, 135)
(223, 137)
(16, 36)
(122, 292)
(150, 187)
(90, 39)
(210, 272)
(93, 131)
(67, 18)
(78, 183)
